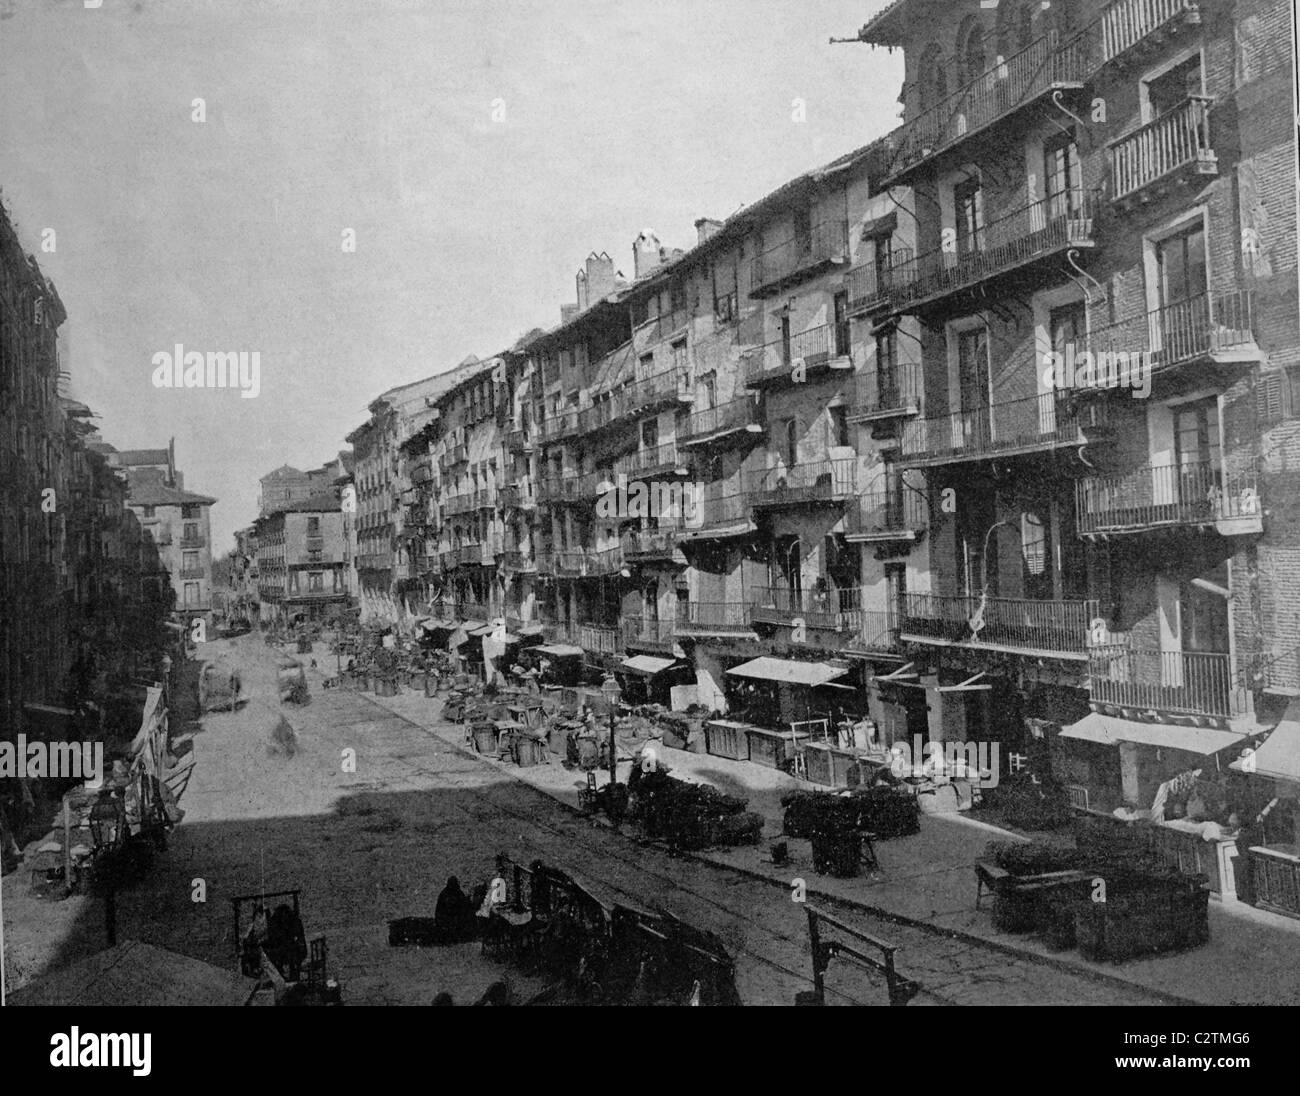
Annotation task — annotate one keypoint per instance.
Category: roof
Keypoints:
(143, 456)
(153, 492)
(789, 672)
(648, 664)
(317, 504)
(1279, 755)
(140, 974)
(888, 27)
(558, 650)
(1110, 730)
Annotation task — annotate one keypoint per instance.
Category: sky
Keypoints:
(479, 150)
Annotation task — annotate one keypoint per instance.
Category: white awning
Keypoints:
(648, 664)
(1110, 730)
(789, 672)
(1278, 756)
(559, 650)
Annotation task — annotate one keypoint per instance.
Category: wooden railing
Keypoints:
(811, 350)
(714, 618)
(811, 481)
(1186, 494)
(1021, 623)
(1170, 142)
(1012, 83)
(743, 413)
(830, 609)
(1019, 236)
(1126, 23)
(1034, 422)
(828, 241)
(1168, 681)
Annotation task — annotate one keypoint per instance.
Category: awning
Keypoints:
(1110, 730)
(647, 664)
(472, 626)
(531, 630)
(788, 672)
(559, 650)
(1278, 756)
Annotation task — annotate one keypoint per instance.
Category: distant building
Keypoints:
(300, 560)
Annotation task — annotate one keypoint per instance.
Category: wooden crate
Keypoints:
(722, 740)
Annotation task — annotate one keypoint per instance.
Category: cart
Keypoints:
(276, 949)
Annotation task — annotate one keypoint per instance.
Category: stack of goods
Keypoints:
(689, 816)
(882, 811)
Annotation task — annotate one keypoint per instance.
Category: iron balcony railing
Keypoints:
(830, 609)
(1184, 331)
(650, 542)
(604, 561)
(458, 504)
(888, 392)
(1058, 627)
(638, 397)
(1183, 682)
(718, 509)
(644, 462)
(598, 639)
(1022, 425)
(1126, 23)
(1041, 67)
(1191, 493)
(470, 554)
(518, 496)
(521, 562)
(520, 440)
(870, 286)
(422, 472)
(713, 618)
(1176, 140)
(485, 498)
(193, 572)
(877, 631)
(571, 487)
(193, 540)
(799, 257)
(560, 633)
(788, 360)
(571, 562)
(563, 424)
(1022, 235)
(643, 631)
(545, 561)
(742, 414)
(810, 482)
(900, 512)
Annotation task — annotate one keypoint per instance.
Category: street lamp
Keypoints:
(976, 621)
(609, 687)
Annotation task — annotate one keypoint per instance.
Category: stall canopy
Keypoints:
(559, 650)
(1110, 730)
(1279, 754)
(648, 664)
(789, 672)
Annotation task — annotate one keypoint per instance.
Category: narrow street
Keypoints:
(379, 843)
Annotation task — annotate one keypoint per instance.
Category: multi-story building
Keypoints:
(300, 560)
(1101, 185)
(288, 485)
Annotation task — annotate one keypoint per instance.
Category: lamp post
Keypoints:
(612, 693)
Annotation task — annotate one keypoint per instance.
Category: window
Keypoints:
(679, 356)
(1034, 550)
(191, 533)
(792, 441)
(191, 594)
(802, 232)
(887, 393)
(968, 204)
(883, 258)
(313, 526)
(646, 366)
(189, 562)
(839, 426)
(315, 581)
(973, 369)
(192, 511)
(842, 325)
(1181, 267)
(785, 339)
(1062, 176)
(148, 511)
(1173, 88)
(650, 434)
(707, 396)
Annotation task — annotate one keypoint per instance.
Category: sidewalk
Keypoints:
(1252, 957)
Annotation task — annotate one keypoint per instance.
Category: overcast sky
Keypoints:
(378, 116)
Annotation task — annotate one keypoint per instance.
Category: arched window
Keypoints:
(970, 44)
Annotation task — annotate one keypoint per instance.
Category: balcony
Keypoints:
(193, 540)
(562, 425)
(1218, 330)
(832, 610)
(485, 498)
(650, 543)
(1057, 629)
(571, 563)
(1135, 27)
(1197, 494)
(810, 354)
(604, 561)
(799, 258)
(876, 633)
(1170, 682)
(870, 287)
(520, 441)
(897, 516)
(719, 515)
(1014, 241)
(885, 397)
(421, 471)
(476, 554)
(646, 632)
(655, 460)
(518, 496)
(1150, 161)
(545, 561)
(446, 561)
(194, 572)
(715, 618)
(521, 563)
(820, 481)
(453, 505)
(1045, 66)
(1008, 428)
(598, 640)
(743, 416)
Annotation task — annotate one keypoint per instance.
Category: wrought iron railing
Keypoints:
(1020, 623)
(1173, 334)
(829, 608)
(1034, 422)
(870, 285)
(882, 392)
(808, 350)
(898, 511)
(713, 618)
(1170, 494)
(1168, 681)
(826, 242)
(743, 413)
(644, 631)
(812, 481)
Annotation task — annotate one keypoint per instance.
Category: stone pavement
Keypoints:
(928, 879)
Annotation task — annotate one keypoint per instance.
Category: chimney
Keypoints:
(645, 254)
(600, 276)
(706, 227)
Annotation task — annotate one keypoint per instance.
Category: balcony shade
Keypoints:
(1110, 730)
(788, 672)
(647, 664)
(1279, 755)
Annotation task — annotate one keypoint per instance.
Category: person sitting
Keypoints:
(453, 915)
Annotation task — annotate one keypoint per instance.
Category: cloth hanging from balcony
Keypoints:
(788, 672)
(1279, 754)
(1109, 730)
